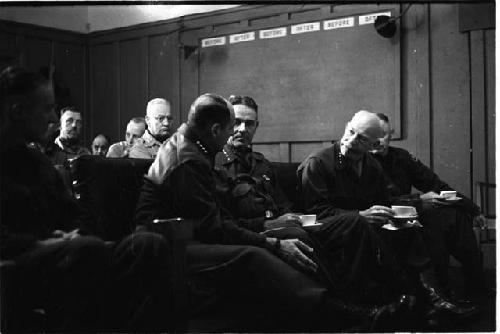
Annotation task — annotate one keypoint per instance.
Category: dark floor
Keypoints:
(485, 299)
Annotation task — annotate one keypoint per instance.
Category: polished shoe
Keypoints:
(443, 306)
(391, 317)
(456, 298)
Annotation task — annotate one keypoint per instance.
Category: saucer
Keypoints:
(405, 225)
(312, 225)
(453, 200)
(406, 217)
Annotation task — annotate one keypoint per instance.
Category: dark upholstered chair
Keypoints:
(287, 180)
(109, 188)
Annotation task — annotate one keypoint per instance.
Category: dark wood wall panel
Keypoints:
(270, 151)
(300, 151)
(70, 77)
(450, 102)
(415, 83)
(489, 69)
(38, 53)
(163, 75)
(37, 48)
(9, 54)
(133, 81)
(189, 86)
(490, 101)
(104, 63)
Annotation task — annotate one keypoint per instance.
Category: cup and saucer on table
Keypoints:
(405, 217)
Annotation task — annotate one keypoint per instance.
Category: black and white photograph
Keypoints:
(247, 166)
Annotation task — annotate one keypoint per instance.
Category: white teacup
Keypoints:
(448, 194)
(308, 220)
(404, 211)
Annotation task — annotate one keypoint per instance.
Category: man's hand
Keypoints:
(66, 235)
(293, 252)
(290, 217)
(480, 221)
(377, 213)
(430, 196)
(49, 241)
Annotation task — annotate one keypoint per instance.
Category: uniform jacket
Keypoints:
(247, 162)
(34, 201)
(181, 182)
(67, 152)
(145, 147)
(404, 170)
(330, 186)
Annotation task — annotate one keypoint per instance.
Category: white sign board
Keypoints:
(213, 41)
(370, 18)
(245, 37)
(338, 23)
(304, 27)
(272, 33)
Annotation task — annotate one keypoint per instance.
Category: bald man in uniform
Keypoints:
(159, 121)
(346, 179)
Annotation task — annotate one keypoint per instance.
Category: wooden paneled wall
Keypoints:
(36, 47)
(447, 79)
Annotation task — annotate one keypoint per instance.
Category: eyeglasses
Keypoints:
(162, 118)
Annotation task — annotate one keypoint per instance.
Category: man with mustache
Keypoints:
(69, 139)
(159, 121)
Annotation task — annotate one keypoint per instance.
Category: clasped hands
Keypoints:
(59, 236)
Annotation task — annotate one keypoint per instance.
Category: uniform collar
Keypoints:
(149, 140)
(230, 154)
(73, 149)
(342, 162)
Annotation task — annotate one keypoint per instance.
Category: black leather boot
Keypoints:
(388, 317)
(439, 305)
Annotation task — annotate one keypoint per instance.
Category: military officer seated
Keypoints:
(448, 224)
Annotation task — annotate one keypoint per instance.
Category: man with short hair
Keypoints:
(256, 192)
(69, 139)
(159, 120)
(61, 265)
(448, 226)
(181, 182)
(135, 129)
(100, 145)
(346, 179)
(43, 230)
